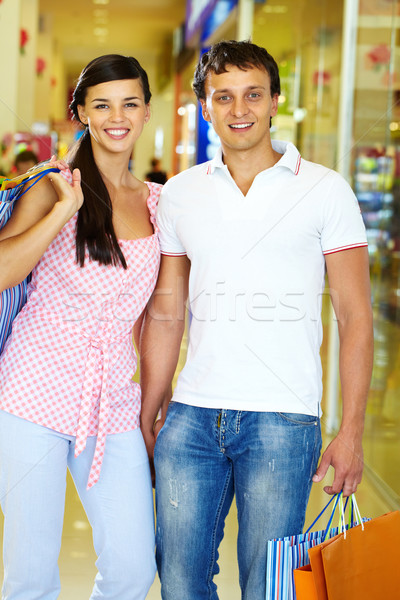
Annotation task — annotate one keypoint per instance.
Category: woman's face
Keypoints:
(115, 113)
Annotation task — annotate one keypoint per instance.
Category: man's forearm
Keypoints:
(160, 345)
(355, 364)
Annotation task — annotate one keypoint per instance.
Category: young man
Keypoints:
(248, 237)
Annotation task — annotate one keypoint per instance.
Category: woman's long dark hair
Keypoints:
(95, 230)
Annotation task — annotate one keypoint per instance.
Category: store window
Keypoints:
(376, 181)
(304, 37)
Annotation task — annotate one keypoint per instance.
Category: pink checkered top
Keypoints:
(69, 362)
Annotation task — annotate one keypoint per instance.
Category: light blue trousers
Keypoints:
(33, 467)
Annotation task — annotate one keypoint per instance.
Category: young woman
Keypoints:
(67, 399)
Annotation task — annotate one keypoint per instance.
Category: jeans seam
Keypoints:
(316, 438)
(214, 533)
(238, 420)
(300, 423)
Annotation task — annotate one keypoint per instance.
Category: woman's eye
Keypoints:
(131, 105)
(101, 106)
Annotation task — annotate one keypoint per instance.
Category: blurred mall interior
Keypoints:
(340, 105)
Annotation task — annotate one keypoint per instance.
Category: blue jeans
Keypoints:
(203, 457)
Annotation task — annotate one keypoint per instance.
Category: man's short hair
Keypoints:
(243, 55)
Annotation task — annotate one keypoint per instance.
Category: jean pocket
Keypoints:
(299, 418)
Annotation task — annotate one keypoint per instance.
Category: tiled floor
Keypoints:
(382, 456)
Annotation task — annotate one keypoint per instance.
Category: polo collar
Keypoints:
(216, 162)
(290, 155)
(291, 158)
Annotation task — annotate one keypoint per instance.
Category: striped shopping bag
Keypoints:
(289, 553)
(13, 299)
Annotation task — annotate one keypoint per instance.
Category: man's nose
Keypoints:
(239, 107)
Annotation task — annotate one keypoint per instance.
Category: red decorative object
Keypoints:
(23, 39)
(40, 65)
(380, 55)
(321, 77)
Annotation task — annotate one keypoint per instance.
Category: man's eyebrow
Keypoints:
(250, 87)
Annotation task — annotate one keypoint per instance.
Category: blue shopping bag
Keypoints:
(13, 299)
(289, 553)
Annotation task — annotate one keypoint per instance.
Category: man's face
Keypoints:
(239, 106)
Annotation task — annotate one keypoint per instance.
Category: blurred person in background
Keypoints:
(156, 174)
(24, 161)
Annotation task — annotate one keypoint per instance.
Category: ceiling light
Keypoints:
(279, 9)
(101, 1)
(100, 31)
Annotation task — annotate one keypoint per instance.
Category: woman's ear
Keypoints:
(82, 114)
(147, 114)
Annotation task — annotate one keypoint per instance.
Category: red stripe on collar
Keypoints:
(297, 169)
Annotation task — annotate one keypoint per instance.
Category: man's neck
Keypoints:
(244, 165)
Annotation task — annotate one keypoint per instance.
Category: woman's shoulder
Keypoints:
(32, 206)
(154, 194)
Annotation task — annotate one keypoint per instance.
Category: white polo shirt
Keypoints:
(257, 278)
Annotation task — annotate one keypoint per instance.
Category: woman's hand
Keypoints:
(69, 196)
(65, 172)
(57, 163)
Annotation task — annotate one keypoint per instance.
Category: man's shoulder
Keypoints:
(188, 177)
(311, 167)
(316, 174)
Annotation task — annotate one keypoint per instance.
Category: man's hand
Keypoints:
(151, 430)
(149, 440)
(345, 454)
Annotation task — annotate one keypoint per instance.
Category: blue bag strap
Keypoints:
(323, 510)
(37, 177)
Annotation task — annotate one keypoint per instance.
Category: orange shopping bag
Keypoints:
(313, 578)
(309, 579)
(317, 568)
(363, 563)
(304, 583)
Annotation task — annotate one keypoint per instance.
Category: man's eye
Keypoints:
(223, 98)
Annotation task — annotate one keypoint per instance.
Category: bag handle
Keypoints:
(354, 508)
(342, 521)
(337, 496)
(33, 177)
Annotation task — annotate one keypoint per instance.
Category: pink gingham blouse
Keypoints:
(69, 362)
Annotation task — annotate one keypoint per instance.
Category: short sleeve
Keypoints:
(170, 243)
(343, 227)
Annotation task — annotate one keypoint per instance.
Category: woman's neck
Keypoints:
(114, 168)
